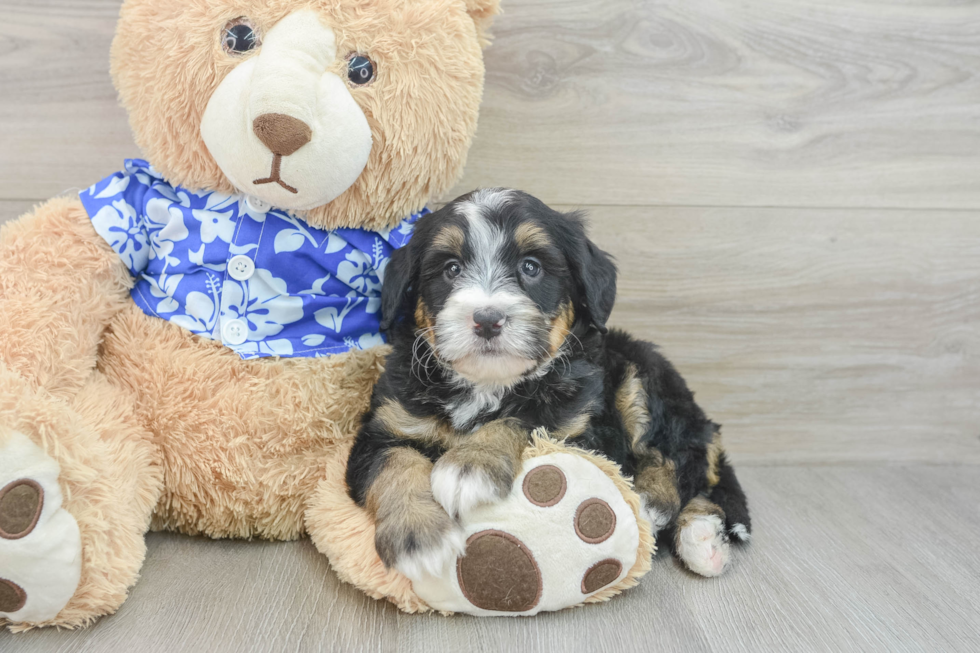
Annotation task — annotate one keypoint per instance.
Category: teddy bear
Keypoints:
(189, 344)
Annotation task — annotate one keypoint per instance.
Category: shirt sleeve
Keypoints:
(115, 206)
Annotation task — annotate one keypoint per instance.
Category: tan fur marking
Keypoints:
(425, 323)
(698, 507)
(405, 473)
(573, 427)
(631, 402)
(404, 510)
(714, 454)
(657, 480)
(451, 239)
(400, 422)
(561, 326)
(529, 236)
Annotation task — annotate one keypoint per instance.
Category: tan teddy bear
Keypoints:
(189, 345)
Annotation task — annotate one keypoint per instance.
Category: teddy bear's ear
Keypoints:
(482, 12)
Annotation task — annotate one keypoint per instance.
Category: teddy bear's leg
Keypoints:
(80, 480)
(79, 476)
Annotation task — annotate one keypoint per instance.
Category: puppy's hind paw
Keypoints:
(703, 545)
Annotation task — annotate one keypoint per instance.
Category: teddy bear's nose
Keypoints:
(281, 133)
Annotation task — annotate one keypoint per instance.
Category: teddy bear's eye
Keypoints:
(360, 69)
(239, 36)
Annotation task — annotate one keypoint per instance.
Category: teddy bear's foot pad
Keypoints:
(563, 533)
(20, 508)
(40, 545)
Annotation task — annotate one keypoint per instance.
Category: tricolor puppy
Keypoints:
(496, 311)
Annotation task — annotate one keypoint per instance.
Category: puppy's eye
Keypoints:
(360, 69)
(530, 268)
(239, 36)
(453, 269)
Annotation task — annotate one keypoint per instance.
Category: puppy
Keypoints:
(496, 312)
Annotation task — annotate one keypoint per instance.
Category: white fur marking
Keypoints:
(658, 520)
(742, 533)
(434, 561)
(702, 546)
(459, 491)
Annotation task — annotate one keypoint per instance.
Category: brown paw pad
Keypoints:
(545, 486)
(601, 574)
(595, 521)
(499, 573)
(12, 597)
(21, 503)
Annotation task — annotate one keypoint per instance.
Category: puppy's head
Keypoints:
(495, 281)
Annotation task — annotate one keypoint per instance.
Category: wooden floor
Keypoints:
(792, 190)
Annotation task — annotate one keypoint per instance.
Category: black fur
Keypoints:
(585, 379)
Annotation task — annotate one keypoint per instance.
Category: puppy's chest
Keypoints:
(471, 410)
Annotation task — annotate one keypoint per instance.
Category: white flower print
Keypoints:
(263, 302)
(121, 227)
(369, 340)
(359, 273)
(312, 292)
(333, 318)
(199, 314)
(215, 224)
(165, 287)
(164, 226)
(279, 347)
(289, 240)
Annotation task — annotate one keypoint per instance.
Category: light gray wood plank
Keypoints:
(61, 127)
(845, 103)
(781, 103)
(197, 594)
(842, 558)
(812, 335)
(837, 562)
(11, 210)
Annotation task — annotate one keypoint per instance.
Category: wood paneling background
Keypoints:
(792, 191)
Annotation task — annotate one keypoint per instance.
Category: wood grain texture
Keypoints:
(61, 127)
(866, 103)
(843, 558)
(813, 335)
(845, 103)
(11, 210)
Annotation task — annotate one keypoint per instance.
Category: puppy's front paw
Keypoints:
(462, 481)
(419, 540)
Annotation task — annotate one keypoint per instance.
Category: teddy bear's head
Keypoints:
(351, 112)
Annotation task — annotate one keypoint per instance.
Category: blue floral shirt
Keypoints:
(258, 280)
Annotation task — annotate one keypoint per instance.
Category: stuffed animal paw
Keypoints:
(564, 533)
(570, 531)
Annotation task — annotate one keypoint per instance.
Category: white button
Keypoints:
(241, 268)
(256, 204)
(235, 332)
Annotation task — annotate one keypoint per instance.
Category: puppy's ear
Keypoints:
(595, 278)
(397, 286)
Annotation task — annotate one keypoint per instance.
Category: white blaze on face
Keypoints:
(289, 76)
(486, 283)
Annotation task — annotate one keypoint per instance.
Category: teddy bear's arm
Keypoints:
(60, 285)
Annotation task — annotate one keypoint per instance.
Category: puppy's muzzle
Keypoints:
(489, 322)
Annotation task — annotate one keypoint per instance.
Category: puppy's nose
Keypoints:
(281, 133)
(489, 322)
